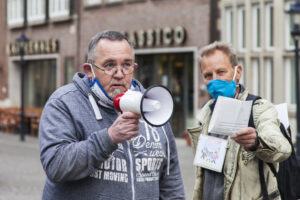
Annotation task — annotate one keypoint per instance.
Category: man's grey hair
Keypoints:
(222, 46)
(109, 35)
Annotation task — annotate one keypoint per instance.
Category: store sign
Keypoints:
(158, 37)
(34, 47)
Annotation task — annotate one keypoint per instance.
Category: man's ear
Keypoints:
(87, 68)
(239, 73)
(135, 65)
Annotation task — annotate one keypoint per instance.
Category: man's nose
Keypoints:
(214, 76)
(119, 72)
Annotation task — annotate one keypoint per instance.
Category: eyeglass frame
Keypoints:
(115, 69)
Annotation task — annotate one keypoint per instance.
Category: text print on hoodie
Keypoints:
(81, 161)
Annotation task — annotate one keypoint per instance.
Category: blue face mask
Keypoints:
(223, 88)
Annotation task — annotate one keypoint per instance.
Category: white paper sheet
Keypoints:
(283, 114)
(229, 116)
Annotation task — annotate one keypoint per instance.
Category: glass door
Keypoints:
(175, 71)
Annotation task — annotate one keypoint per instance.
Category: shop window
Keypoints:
(255, 77)
(269, 79)
(290, 81)
(15, 13)
(256, 16)
(229, 25)
(36, 11)
(69, 69)
(269, 24)
(241, 29)
(40, 82)
(59, 8)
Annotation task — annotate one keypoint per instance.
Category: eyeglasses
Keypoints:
(111, 69)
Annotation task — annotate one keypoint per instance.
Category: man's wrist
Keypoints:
(255, 145)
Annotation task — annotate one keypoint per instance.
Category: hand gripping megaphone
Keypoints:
(155, 105)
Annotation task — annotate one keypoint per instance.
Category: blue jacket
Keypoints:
(81, 161)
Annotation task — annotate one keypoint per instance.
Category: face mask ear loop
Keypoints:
(235, 71)
(92, 71)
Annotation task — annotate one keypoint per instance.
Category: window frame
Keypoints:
(36, 18)
(269, 79)
(256, 29)
(17, 18)
(241, 28)
(255, 76)
(229, 23)
(289, 43)
(55, 13)
(269, 31)
(290, 90)
(241, 61)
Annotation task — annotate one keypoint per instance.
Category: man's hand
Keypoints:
(246, 137)
(125, 127)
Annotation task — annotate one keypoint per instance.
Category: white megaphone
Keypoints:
(155, 105)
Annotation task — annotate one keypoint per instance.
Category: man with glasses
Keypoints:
(89, 150)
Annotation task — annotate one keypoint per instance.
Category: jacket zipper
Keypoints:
(131, 171)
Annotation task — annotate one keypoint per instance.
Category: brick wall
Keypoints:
(193, 15)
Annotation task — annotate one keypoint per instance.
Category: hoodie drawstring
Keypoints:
(95, 107)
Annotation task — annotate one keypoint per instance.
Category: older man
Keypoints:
(84, 141)
(239, 178)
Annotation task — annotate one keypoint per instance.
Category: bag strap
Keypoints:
(262, 180)
(260, 162)
(252, 98)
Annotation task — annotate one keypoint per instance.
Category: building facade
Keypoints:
(3, 57)
(166, 34)
(260, 32)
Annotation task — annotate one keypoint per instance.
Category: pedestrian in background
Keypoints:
(84, 142)
(239, 178)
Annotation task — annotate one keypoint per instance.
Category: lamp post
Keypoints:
(21, 42)
(294, 12)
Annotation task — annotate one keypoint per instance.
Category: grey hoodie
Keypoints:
(81, 161)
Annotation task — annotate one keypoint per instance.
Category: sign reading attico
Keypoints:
(34, 47)
(158, 37)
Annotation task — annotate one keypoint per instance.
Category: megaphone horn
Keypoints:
(155, 105)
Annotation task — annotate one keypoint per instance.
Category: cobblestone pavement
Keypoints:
(22, 176)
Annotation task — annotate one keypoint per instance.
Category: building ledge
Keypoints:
(59, 19)
(16, 26)
(37, 22)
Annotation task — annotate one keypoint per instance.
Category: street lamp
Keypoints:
(22, 42)
(294, 12)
